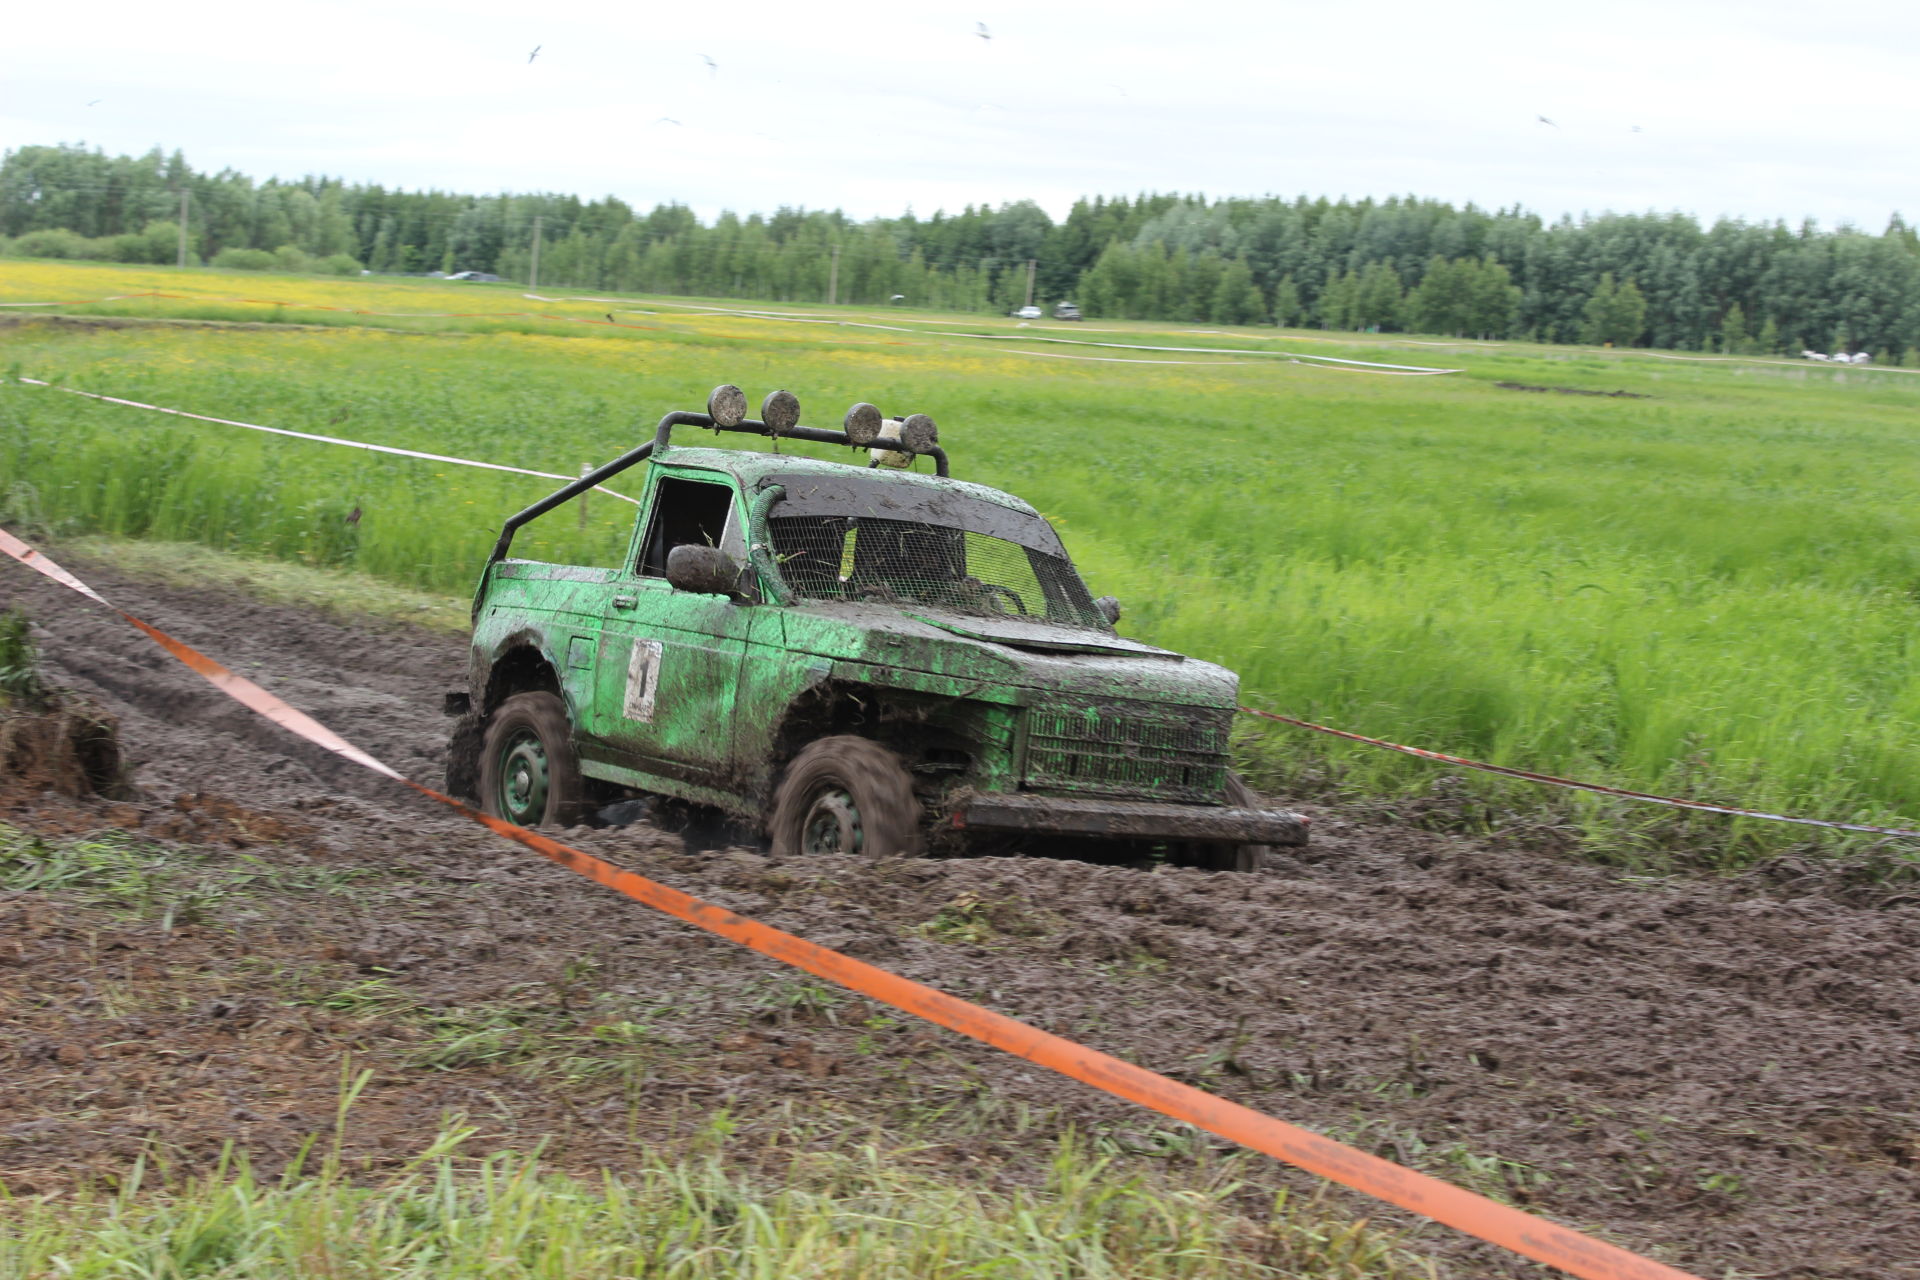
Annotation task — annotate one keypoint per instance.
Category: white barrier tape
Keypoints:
(1310, 364)
(1551, 780)
(1385, 371)
(307, 435)
(1416, 369)
(1062, 355)
(1296, 356)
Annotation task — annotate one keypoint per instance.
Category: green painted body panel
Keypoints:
(705, 696)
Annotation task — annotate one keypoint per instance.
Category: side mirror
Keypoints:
(1109, 607)
(703, 570)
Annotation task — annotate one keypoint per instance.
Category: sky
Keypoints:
(1757, 110)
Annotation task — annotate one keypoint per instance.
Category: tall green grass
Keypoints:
(1711, 591)
(857, 1214)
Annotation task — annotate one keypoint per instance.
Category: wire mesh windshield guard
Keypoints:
(904, 562)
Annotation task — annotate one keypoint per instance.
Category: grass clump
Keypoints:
(117, 872)
(20, 682)
(136, 878)
(858, 1214)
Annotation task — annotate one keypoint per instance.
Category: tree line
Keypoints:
(1397, 264)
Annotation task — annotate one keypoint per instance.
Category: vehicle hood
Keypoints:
(1031, 633)
(993, 660)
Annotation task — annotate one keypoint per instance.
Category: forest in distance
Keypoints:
(1398, 264)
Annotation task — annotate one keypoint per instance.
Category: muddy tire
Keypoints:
(529, 773)
(845, 795)
(1232, 857)
(464, 746)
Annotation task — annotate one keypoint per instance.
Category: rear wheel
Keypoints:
(845, 794)
(529, 773)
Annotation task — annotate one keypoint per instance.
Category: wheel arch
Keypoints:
(922, 728)
(517, 663)
(521, 662)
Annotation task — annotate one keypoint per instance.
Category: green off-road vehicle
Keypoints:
(858, 659)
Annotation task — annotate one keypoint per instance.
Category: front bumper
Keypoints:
(1128, 819)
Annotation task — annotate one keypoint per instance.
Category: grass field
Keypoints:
(1709, 591)
(840, 1216)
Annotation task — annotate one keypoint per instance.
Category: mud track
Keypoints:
(1722, 1073)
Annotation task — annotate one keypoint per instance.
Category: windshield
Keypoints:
(854, 538)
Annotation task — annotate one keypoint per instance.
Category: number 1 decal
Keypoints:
(643, 680)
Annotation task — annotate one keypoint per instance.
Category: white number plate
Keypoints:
(643, 680)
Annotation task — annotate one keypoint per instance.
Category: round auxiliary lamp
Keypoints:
(727, 405)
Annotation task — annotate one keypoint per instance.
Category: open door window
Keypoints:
(698, 512)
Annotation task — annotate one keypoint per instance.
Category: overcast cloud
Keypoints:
(1752, 110)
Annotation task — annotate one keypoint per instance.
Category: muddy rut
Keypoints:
(1721, 1073)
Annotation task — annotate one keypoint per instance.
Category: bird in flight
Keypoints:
(980, 29)
(536, 53)
(713, 68)
(96, 102)
(1544, 120)
(1638, 129)
(666, 120)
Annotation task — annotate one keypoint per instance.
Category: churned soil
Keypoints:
(1719, 1072)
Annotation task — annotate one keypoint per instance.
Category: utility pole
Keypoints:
(533, 282)
(1031, 263)
(833, 277)
(185, 195)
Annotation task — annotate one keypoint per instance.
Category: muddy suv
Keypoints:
(862, 659)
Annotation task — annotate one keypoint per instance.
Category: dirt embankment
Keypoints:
(1721, 1073)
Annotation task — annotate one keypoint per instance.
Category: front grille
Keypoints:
(1136, 750)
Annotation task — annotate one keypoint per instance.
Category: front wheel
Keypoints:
(845, 794)
(529, 773)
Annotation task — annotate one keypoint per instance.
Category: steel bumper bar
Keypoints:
(1129, 819)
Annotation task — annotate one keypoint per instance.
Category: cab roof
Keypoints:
(752, 467)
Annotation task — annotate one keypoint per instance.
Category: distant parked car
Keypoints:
(479, 277)
(1066, 311)
(1028, 313)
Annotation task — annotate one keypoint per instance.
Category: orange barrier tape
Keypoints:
(1485, 1219)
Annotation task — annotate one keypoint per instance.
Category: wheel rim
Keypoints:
(832, 824)
(524, 779)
